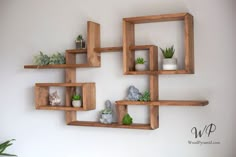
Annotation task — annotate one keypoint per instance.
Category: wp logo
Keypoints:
(207, 130)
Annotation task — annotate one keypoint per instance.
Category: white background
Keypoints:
(28, 26)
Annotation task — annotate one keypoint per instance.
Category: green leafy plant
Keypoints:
(140, 60)
(3, 147)
(76, 97)
(107, 111)
(168, 52)
(145, 96)
(79, 38)
(57, 58)
(127, 120)
(41, 59)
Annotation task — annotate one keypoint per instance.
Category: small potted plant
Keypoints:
(106, 114)
(169, 63)
(76, 100)
(80, 43)
(140, 66)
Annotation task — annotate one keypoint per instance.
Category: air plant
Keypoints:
(145, 96)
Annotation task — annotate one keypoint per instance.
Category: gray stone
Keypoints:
(133, 93)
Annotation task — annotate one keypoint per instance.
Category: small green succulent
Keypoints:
(57, 58)
(3, 147)
(76, 97)
(41, 59)
(140, 60)
(145, 96)
(168, 52)
(107, 111)
(79, 38)
(127, 120)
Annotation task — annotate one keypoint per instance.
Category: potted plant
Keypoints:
(80, 43)
(169, 63)
(76, 100)
(106, 114)
(140, 66)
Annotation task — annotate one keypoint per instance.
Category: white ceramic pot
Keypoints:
(169, 64)
(140, 67)
(76, 103)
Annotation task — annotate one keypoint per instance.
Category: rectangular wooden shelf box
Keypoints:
(153, 60)
(129, 39)
(88, 96)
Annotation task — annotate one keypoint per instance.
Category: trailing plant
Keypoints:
(79, 38)
(41, 59)
(127, 120)
(168, 52)
(4, 146)
(140, 60)
(57, 58)
(76, 97)
(145, 96)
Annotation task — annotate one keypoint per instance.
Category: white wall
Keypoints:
(28, 26)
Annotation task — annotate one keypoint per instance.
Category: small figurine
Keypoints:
(133, 93)
(106, 115)
(54, 99)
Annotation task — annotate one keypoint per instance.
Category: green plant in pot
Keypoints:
(80, 43)
(4, 146)
(76, 100)
(169, 63)
(140, 64)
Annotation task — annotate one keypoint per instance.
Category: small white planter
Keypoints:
(169, 64)
(77, 103)
(140, 67)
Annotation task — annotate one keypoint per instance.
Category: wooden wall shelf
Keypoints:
(93, 52)
(129, 38)
(88, 96)
(164, 102)
(113, 125)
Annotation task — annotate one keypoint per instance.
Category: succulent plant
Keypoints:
(57, 58)
(127, 120)
(41, 59)
(140, 60)
(76, 97)
(3, 147)
(79, 38)
(168, 52)
(145, 96)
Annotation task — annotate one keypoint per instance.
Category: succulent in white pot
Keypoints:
(80, 43)
(76, 100)
(169, 63)
(140, 64)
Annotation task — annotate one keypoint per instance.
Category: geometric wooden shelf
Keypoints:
(93, 52)
(88, 96)
(129, 39)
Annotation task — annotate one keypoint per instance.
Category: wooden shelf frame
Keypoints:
(153, 60)
(88, 92)
(129, 39)
(93, 51)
